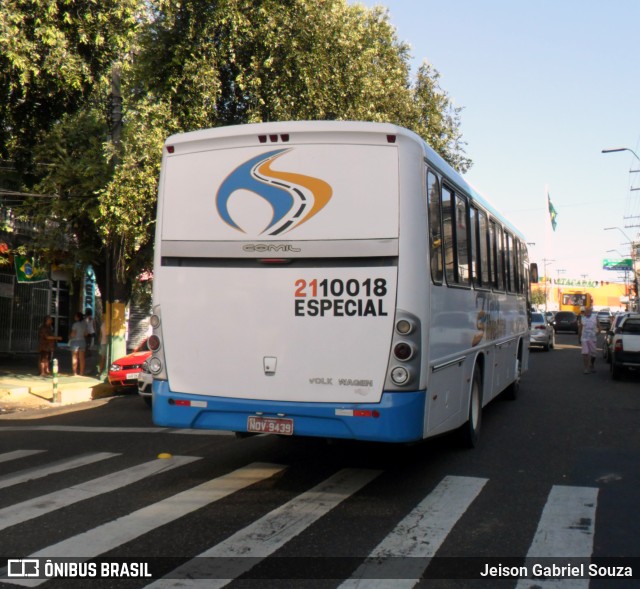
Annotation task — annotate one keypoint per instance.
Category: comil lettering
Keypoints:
(264, 247)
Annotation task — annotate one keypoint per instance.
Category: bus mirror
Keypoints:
(533, 272)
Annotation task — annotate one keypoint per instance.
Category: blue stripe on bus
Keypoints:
(400, 415)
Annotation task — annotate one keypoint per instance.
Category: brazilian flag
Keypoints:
(26, 271)
(553, 214)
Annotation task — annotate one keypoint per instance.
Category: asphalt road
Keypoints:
(555, 475)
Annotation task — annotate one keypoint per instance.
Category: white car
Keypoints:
(541, 333)
(625, 346)
(145, 381)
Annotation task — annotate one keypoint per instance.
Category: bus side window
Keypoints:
(509, 266)
(448, 220)
(485, 257)
(498, 254)
(474, 249)
(435, 227)
(462, 241)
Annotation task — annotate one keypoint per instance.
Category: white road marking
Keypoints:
(400, 559)
(565, 531)
(124, 529)
(115, 430)
(59, 466)
(266, 535)
(32, 508)
(16, 454)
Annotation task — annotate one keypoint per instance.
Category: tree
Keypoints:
(438, 120)
(538, 297)
(53, 56)
(206, 64)
(184, 65)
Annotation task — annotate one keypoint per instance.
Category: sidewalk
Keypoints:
(21, 389)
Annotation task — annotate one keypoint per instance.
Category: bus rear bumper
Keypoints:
(399, 417)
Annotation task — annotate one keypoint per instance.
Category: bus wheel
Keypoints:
(471, 430)
(511, 392)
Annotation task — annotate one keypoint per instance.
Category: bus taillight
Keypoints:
(404, 365)
(403, 351)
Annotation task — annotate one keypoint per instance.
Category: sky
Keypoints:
(545, 86)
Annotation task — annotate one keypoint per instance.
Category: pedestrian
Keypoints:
(46, 345)
(78, 344)
(90, 330)
(102, 353)
(588, 332)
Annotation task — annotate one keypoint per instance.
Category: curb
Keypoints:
(17, 394)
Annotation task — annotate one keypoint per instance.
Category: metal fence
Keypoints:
(23, 307)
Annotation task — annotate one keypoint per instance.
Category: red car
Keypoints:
(124, 371)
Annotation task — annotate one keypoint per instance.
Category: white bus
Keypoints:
(333, 279)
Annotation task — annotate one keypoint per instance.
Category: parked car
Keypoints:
(124, 371)
(565, 321)
(625, 346)
(145, 382)
(541, 333)
(603, 318)
(609, 333)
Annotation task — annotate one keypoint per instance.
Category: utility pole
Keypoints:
(114, 318)
(546, 262)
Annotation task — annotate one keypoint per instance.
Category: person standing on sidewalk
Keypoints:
(78, 344)
(90, 332)
(588, 332)
(46, 345)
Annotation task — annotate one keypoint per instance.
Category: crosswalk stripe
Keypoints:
(16, 454)
(59, 466)
(401, 558)
(268, 534)
(566, 528)
(115, 430)
(124, 529)
(32, 508)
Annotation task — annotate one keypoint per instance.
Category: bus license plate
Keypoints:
(270, 425)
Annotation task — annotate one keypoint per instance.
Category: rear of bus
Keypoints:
(276, 306)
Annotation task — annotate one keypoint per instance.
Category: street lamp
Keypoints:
(621, 231)
(631, 244)
(626, 273)
(546, 262)
(615, 149)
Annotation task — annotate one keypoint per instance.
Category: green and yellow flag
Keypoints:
(26, 271)
(552, 213)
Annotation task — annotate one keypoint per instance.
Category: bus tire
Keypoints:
(511, 392)
(471, 429)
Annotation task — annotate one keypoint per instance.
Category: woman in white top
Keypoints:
(77, 344)
(588, 333)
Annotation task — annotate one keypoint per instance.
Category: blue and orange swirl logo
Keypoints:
(294, 198)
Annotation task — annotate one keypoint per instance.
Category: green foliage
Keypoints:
(438, 119)
(538, 297)
(53, 54)
(127, 203)
(71, 157)
(185, 65)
